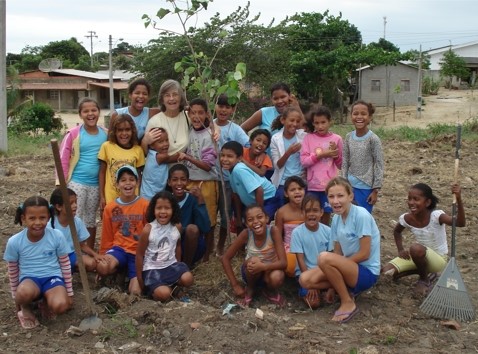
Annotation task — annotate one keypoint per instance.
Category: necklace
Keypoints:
(177, 118)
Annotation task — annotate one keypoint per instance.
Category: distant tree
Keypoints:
(322, 51)
(453, 65)
(67, 50)
(414, 57)
(385, 45)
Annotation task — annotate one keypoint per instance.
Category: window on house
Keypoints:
(376, 85)
(53, 94)
(27, 93)
(103, 93)
(405, 85)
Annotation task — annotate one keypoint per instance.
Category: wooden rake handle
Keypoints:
(71, 223)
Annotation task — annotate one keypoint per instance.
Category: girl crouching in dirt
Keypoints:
(38, 264)
(429, 254)
(354, 266)
(159, 249)
(265, 258)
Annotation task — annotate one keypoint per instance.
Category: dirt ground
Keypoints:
(389, 321)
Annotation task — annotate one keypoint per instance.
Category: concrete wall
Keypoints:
(390, 77)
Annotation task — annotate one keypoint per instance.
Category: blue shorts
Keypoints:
(324, 202)
(72, 257)
(168, 276)
(302, 291)
(201, 247)
(47, 283)
(360, 197)
(260, 283)
(125, 259)
(366, 279)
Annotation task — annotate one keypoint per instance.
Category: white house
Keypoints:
(468, 51)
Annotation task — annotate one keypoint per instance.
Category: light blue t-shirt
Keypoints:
(87, 169)
(292, 166)
(81, 231)
(155, 176)
(359, 223)
(230, 132)
(244, 183)
(140, 121)
(268, 115)
(310, 244)
(37, 259)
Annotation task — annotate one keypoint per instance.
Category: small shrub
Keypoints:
(37, 118)
(430, 86)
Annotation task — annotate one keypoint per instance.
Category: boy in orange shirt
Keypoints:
(123, 221)
(255, 157)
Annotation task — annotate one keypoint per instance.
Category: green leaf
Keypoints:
(162, 13)
(222, 34)
(178, 67)
(185, 81)
(241, 67)
(222, 89)
(189, 70)
(206, 72)
(238, 75)
(147, 20)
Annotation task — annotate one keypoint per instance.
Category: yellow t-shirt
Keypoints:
(115, 157)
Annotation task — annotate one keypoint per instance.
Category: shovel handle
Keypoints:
(71, 223)
(457, 156)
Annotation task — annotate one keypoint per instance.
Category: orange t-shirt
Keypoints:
(123, 224)
(267, 160)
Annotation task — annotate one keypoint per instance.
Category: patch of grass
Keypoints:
(25, 144)
(390, 340)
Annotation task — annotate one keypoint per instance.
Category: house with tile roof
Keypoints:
(64, 88)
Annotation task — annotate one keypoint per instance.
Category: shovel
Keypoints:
(93, 322)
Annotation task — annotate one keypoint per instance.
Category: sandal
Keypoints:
(276, 298)
(27, 322)
(245, 301)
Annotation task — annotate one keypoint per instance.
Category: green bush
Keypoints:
(37, 118)
(430, 86)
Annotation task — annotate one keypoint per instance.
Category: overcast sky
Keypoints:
(409, 23)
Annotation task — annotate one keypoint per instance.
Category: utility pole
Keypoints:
(91, 35)
(384, 26)
(3, 77)
(112, 98)
(419, 102)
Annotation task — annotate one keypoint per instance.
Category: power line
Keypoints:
(91, 35)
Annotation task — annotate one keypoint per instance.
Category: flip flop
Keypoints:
(276, 299)
(244, 302)
(26, 322)
(349, 315)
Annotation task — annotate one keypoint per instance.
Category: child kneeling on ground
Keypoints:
(159, 249)
(265, 258)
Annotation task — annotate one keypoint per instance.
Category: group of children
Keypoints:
(159, 211)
